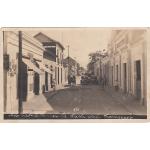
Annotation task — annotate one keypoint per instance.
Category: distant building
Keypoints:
(72, 67)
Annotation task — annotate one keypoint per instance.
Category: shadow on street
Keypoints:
(91, 99)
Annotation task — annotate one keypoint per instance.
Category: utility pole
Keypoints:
(20, 92)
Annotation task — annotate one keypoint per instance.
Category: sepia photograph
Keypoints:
(75, 73)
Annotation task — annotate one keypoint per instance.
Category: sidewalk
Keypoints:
(130, 102)
(38, 104)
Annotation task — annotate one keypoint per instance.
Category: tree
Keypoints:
(94, 57)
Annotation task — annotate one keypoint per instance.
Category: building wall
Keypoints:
(11, 47)
(124, 60)
(60, 72)
(147, 83)
(137, 54)
(127, 47)
(33, 49)
(10, 80)
(51, 65)
(59, 76)
(65, 75)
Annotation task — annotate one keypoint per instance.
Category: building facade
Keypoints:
(53, 60)
(71, 64)
(127, 62)
(73, 69)
(32, 74)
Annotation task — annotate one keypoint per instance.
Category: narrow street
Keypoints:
(92, 99)
(57, 79)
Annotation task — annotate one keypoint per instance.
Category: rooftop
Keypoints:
(41, 37)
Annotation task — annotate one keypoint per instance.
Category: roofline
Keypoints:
(57, 42)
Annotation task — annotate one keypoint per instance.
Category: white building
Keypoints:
(53, 59)
(127, 62)
(32, 74)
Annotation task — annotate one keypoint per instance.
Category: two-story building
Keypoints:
(53, 61)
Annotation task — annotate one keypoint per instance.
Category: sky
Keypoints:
(81, 41)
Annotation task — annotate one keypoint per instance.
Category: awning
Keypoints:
(31, 65)
(42, 66)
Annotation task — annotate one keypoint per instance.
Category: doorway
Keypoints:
(125, 77)
(138, 79)
(46, 81)
(36, 83)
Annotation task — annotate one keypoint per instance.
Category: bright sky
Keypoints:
(82, 41)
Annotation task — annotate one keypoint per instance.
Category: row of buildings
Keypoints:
(124, 64)
(41, 63)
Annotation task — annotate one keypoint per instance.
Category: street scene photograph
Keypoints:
(75, 73)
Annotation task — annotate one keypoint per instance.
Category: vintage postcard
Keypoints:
(75, 74)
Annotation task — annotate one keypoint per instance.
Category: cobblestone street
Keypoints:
(93, 99)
